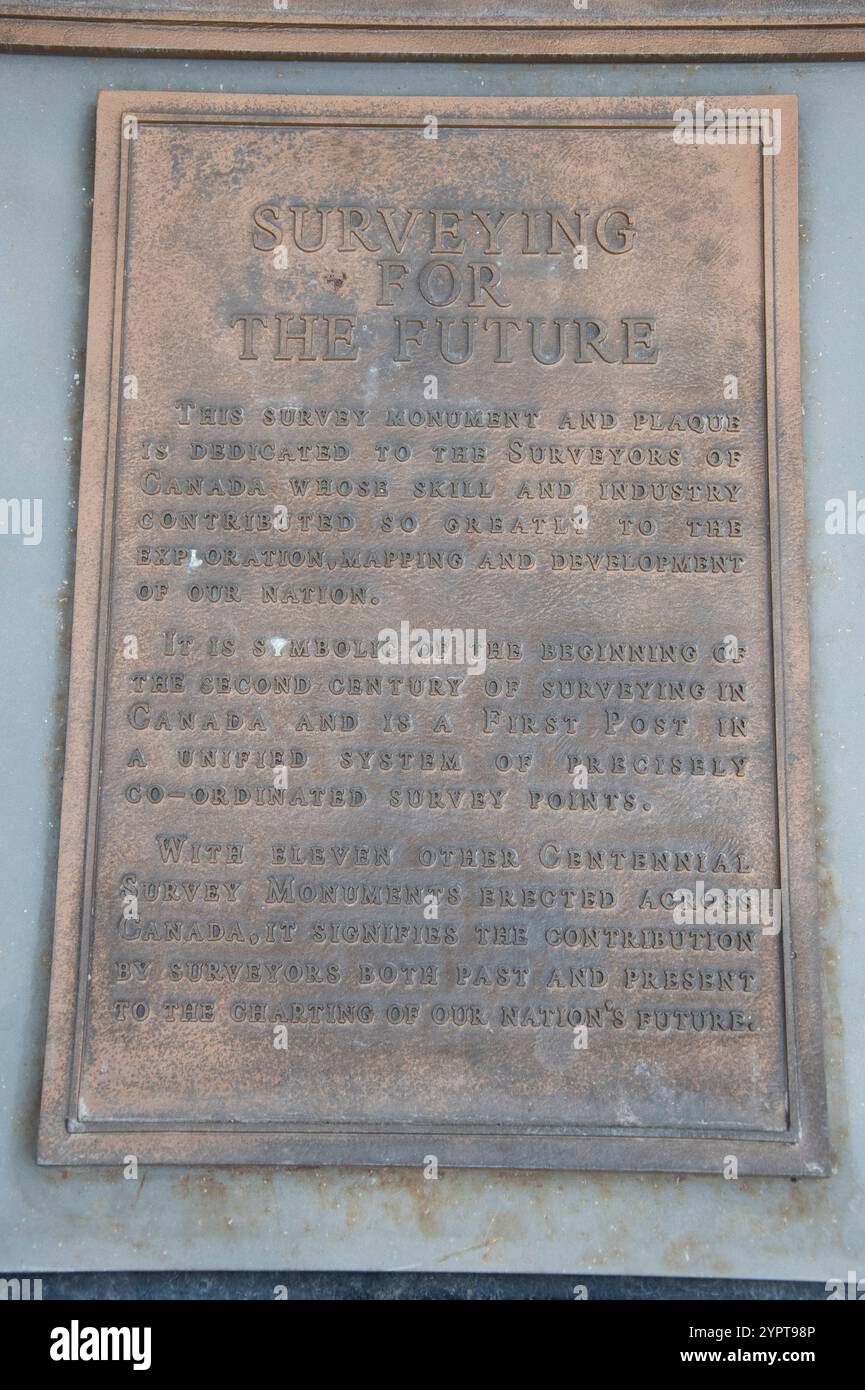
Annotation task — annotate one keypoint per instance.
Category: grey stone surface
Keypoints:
(394, 1220)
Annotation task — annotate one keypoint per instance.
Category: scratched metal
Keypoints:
(314, 907)
(521, 29)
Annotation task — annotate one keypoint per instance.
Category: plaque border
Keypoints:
(802, 1149)
(61, 28)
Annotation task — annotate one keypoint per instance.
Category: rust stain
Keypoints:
(197, 1187)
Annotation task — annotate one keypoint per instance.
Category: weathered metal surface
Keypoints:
(521, 29)
(315, 906)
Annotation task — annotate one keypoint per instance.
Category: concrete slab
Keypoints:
(395, 1220)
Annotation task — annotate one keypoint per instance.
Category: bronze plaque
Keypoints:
(521, 29)
(438, 773)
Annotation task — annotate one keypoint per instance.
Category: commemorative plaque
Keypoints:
(438, 773)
